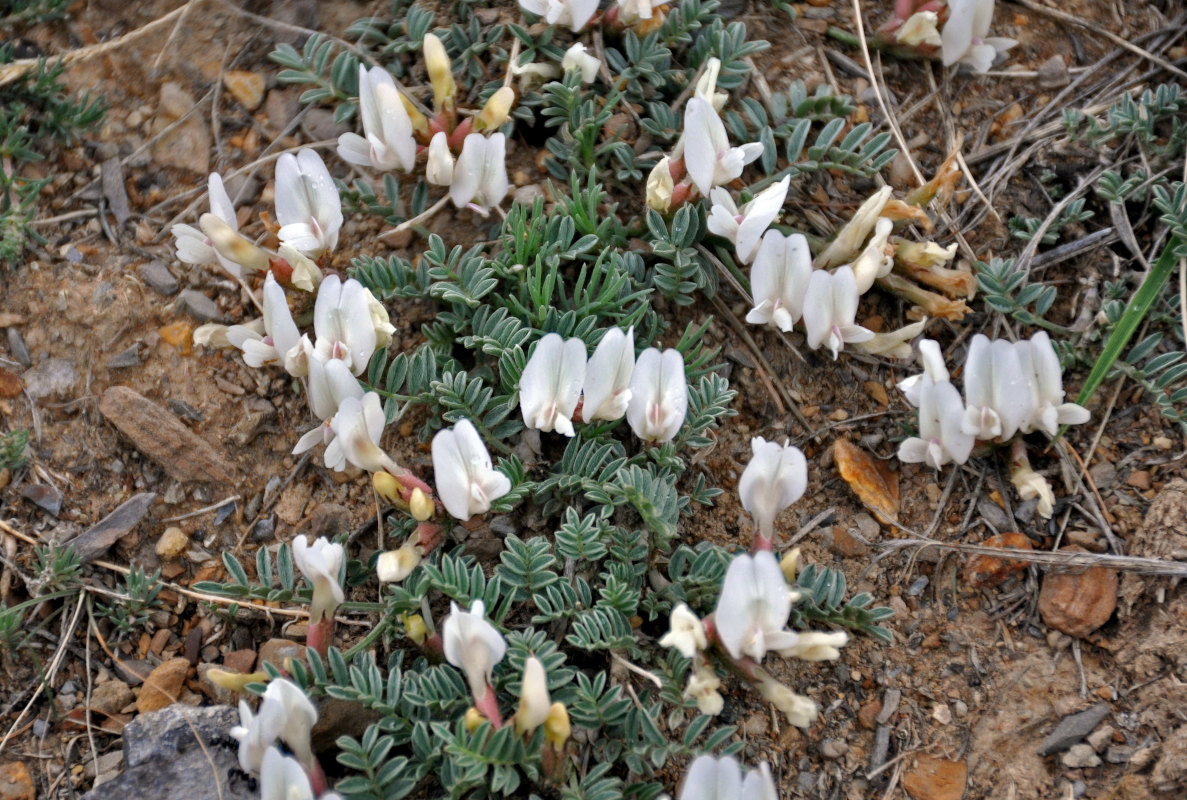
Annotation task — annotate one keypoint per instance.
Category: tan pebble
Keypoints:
(1078, 604)
(1139, 479)
(172, 543)
(246, 87)
(15, 782)
(163, 685)
(877, 393)
(934, 778)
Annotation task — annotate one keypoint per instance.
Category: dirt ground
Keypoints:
(975, 680)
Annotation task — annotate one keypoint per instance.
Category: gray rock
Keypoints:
(1118, 754)
(16, 345)
(128, 357)
(199, 306)
(43, 495)
(731, 8)
(103, 294)
(52, 377)
(1073, 728)
(157, 275)
(165, 759)
(112, 697)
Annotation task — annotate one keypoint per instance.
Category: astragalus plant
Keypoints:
(556, 392)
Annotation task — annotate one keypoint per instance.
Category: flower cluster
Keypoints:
(1010, 388)
(957, 29)
(710, 778)
(652, 391)
(285, 717)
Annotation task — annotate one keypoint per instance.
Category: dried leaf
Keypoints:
(874, 483)
(10, 383)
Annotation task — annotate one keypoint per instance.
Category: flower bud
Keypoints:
(396, 565)
(439, 169)
(473, 719)
(557, 727)
(420, 123)
(421, 505)
(387, 487)
(535, 706)
(232, 245)
(496, 110)
(660, 186)
(790, 563)
(415, 628)
(440, 73)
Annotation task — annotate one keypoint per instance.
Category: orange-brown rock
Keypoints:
(15, 782)
(934, 778)
(163, 685)
(984, 570)
(1078, 603)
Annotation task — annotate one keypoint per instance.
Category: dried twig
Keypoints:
(1062, 560)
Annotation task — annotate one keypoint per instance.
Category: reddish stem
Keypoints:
(321, 635)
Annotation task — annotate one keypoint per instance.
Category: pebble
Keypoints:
(163, 685)
(984, 570)
(1118, 754)
(199, 306)
(890, 702)
(1078, 604)
(1053, 73)
(1073, 728)
(44, 496)
(1101, 738)
(172, 543)
(275, 651)
(157, 275)
(1080, 755)
(186, 146)
(103, 294)
(128, 357)
(933, 778)
(95, 541)
(246, 87)
(15, 782)
(917, 586)
(1139, 479)
(833, 748)
(16, 346)
(111, 697)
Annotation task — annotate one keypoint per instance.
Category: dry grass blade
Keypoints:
(1061, 559)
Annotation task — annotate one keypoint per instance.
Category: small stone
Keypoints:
(96, 540)
(983, 570)
(199, 306)
(16, 346)
(1073, 728)
(103, 294)
(320, 124)
(877, 393)
(942, 714)
(246, 87)
(53, 377)
(111, 697)
(890, 702)
(867, 715)
(172, 543)
(15, 782)
(44, 496)
(845, 544)
(128, 357)
(1078, 604)
(281, 106)
(1101, 738)
(275, 651)
(1118, 754)
(241, 661)
(917, 586)
(934, 778)
(1053, 73)
(187, 145)
(1104, 475)
(1080, 755)
(157, 275)
(163, 685)
(867, 525)
(833, 748)
(1139, 479)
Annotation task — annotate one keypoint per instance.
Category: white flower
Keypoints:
(800, 710)
(574, 13)
(387, 142)
(330, 382)
(814, 646)
(873, 263)
(192, 245)
(776, 477)
(997, 392)
(480, 177)
(745, 227)
(358, 426)
(932, 360)
(660, 186)
(892, 344)
(607, 390)
(849, 240)
(1031, 484)
(965, 36)
(439, 169)
(686, 632)
(753, 608)
(779, 280)
(1041, 366)
(707, 153)
(551, 384)
(393, 566)
(307, 204)
(576, 58)
(283, 778)
(711, 778)
(280, 332)
(256, 733)
(942, 438)
(702, 687)
(320, 563)
(631, 11)
(659, 395)
(466, 481)
(830, 311)
(473, 645)
(920, 29)
(298, 714)
(344, 322)
(534, 702)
